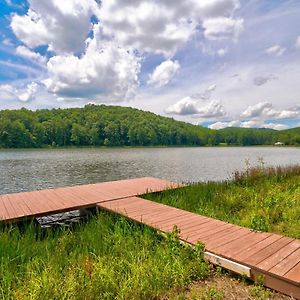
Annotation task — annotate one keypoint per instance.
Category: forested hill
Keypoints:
(98, 125)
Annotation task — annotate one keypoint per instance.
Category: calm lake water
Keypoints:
(26, 170)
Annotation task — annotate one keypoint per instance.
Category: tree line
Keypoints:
(101, 125)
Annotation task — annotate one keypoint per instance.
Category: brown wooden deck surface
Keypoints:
(271, 255)
(275, 257)
(18, 206)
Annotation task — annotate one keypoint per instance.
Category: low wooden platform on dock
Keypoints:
(19, 206)
(275, 257)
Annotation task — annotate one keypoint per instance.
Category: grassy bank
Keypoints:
(266, 199)
(105, 258)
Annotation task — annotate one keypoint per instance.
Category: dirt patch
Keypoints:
(226, 287)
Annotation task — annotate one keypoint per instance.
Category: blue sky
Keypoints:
(218, 63)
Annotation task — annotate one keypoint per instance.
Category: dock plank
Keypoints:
(9, 206)
(268, 251)
(279, 256)
(3, 210)
(294, 273)
(238, 246)
(252, 250)
(286, 264)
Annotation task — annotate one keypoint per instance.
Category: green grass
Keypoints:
(106, 258)
(266, 199)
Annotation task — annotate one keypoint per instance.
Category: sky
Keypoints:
(216, 63)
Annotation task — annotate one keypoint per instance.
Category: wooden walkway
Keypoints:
(242, 250)
(239, 249)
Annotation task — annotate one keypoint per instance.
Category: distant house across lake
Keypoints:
(278, 144)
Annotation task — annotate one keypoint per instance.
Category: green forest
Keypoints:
(101, 125)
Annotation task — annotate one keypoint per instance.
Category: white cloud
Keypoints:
(248, 124)
(222, 125)
(149, 26)
(190, 106)
(102, 60)
(205, 94)
(275, 50)
(297, 43)
(63, 25)
(222, 52)
(198, 106)
(159, 26)
(208, 92)
(252, 124)
(30, 29)
(214, 109)
(185, 106)
(7, 42)
(25, 94)
(257, 110)
(223, 28)
(27, 53)
(266, 110)
(275, 126)
(28, 93)
(163, 73)
(6, 89)
(291, 113)
(146, 25)
(105, 72)
(261, 124)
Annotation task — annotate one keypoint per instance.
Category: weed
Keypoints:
(260, 280)
(260, 293)
(259, 223)
(212, 293)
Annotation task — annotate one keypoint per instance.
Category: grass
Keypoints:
(106, 258)
(261, 198)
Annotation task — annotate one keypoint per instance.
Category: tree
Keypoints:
(79, 135)
(118, 126)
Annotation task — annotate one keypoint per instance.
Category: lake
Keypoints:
(26, 170)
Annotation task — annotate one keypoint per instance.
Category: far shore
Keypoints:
(147, 147)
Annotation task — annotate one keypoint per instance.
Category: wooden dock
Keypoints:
(20, 206)
(254, 254)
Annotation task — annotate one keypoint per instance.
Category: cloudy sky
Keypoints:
(217, 63)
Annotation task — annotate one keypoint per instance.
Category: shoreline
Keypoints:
(150, 147)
